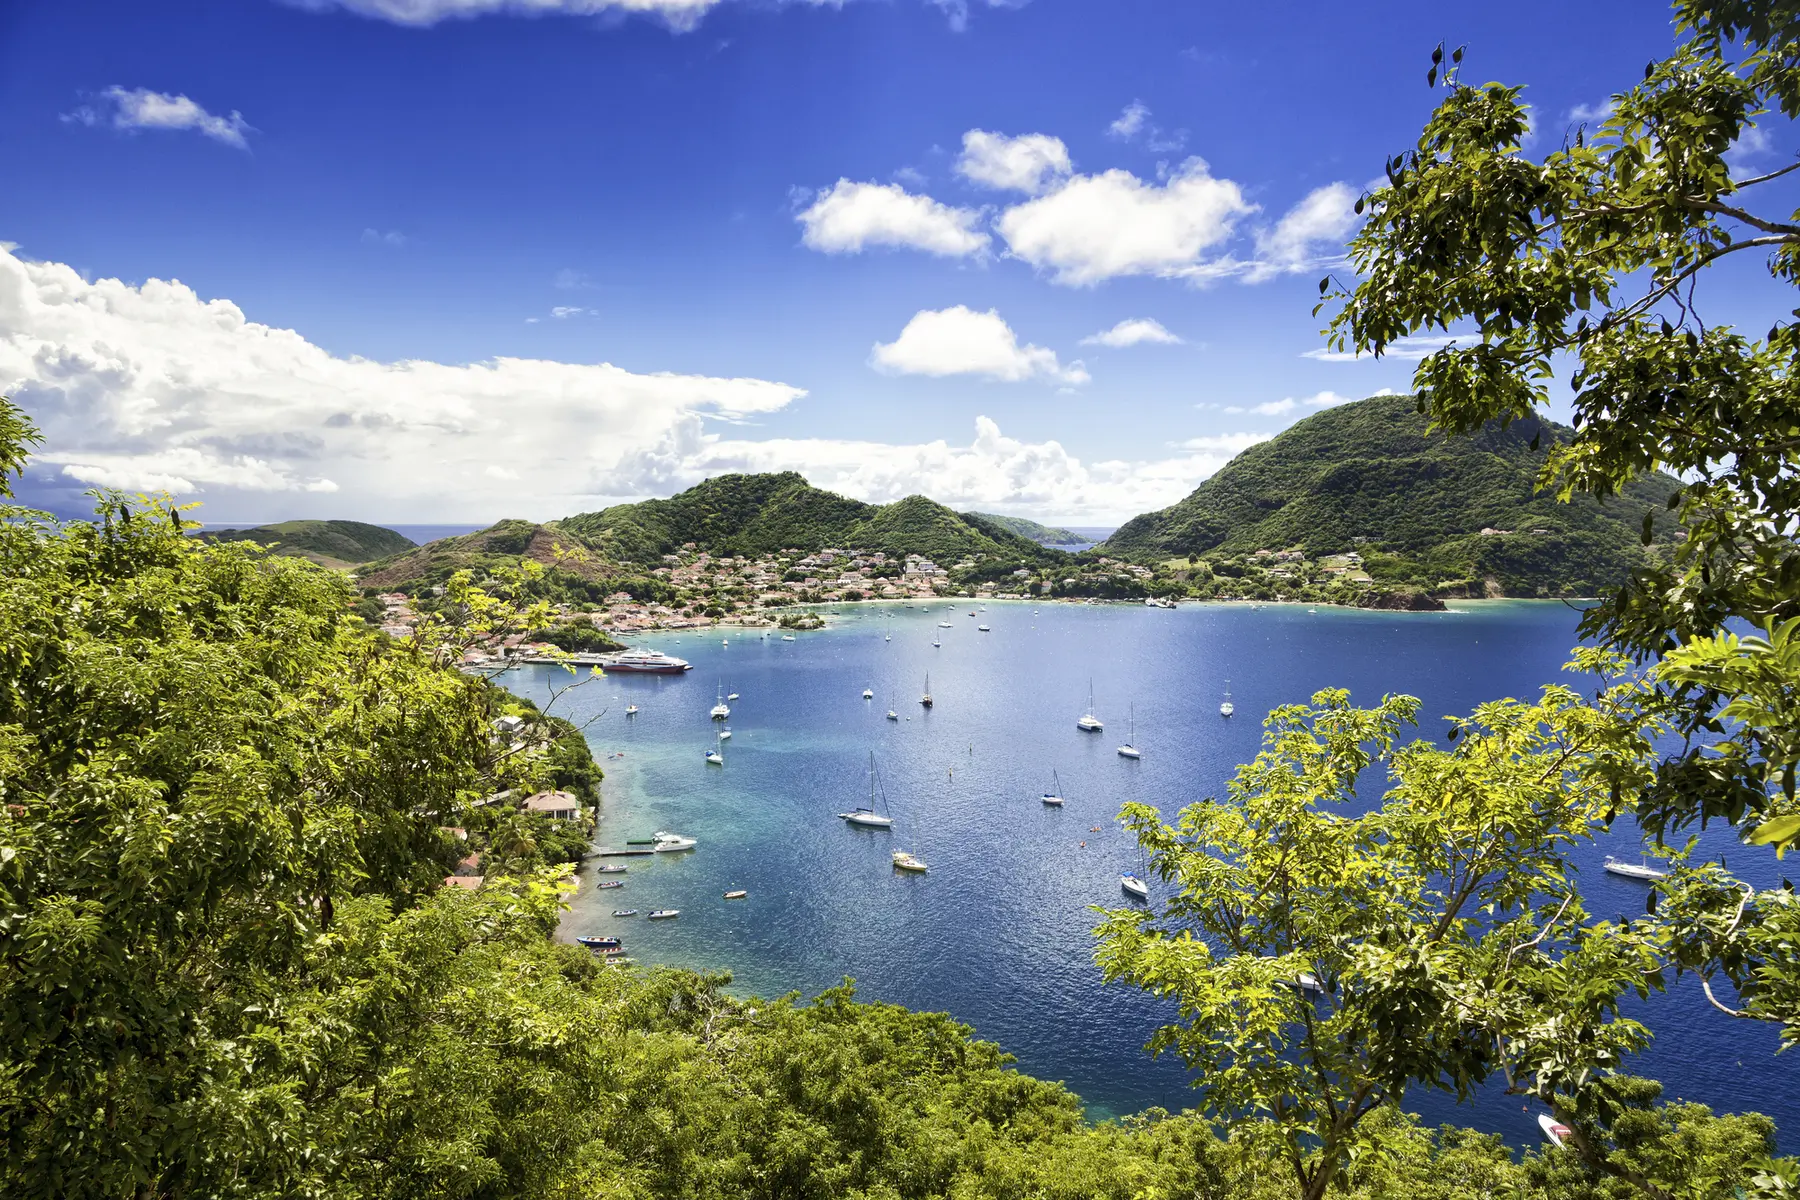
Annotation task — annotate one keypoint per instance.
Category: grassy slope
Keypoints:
(1371, 470)
(334, 543)
(758, 514)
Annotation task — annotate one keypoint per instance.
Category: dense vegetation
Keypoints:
(1043, 535)
(329, 543)
(1374, 477)
(762, 514)
(573, 574)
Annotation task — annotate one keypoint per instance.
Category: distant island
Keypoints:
(1359, 505)
(328, 543)
(1043, 535)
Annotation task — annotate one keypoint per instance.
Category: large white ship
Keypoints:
(652, 662)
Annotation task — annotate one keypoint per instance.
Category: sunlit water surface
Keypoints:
(998, 934)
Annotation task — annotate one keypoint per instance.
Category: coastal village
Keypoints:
(782, 590)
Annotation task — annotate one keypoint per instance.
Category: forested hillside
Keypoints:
(1370, 477)
(329, 543)
(1043, 535)
(761, 514)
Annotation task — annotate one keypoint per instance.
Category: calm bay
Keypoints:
(998, 933)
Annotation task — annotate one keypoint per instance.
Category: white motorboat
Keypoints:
(945, 625)
(909, 862)
(1638, 871)
(1134, 887)
(1129, 749)
(787, 637)
(1054, 796)
(866, 816)
(737, 894)
(1226, 708)
(1089, 723)
(667, 842)
(646, 662)
(982, 629)
(663, 914)
(868, 693)
(1554, 1130)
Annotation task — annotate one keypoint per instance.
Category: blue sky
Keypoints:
(416, 260)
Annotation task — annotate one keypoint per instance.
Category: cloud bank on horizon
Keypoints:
(149, 387)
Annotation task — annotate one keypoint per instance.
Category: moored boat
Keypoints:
(1053, 797)
(908, 862)
(1226, 707)
(1554, 1130)
(596, 942)
(667, 842)
(625, 912)
(1640, 871)
(647, 662)
(865, 816)
(611, 869)
(1088, 722)
(664, 914)
(610, 883)
(737, 894)
(1134, 887)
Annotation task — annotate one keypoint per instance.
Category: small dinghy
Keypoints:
(611, 869)
(595, 942)
(624, 912)
(664, 914)
(610, 883)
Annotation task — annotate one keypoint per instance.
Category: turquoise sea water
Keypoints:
(998, 933)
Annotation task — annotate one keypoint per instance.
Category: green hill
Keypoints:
(1043, 535)
(1369, 477)
(331, 543)
(574, 573)
(760, 514)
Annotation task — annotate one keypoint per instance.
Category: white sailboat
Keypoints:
(935, 643)
(1227, 708)
(1133, 885)
(716, 756)
(1054, 796)
(631, 710)
(1129, 749)
(1638, 871)
(909, 862)
(926, 698)
(1089, 723)
(725, 734)
(721, 710)
(891, 714)
(866, 816)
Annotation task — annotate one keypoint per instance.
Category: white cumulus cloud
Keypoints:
(961, 341)
(992, 472)
(141, 108)
(679, 14)
(1310, 234)
(149, 386)
(1021, 164)
(1281, 408)
(1098, 227)
(1406, 349)
(848, 218)
(1132, 332)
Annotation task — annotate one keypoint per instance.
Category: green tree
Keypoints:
(1325, 963)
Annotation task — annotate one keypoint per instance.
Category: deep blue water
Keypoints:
(998, 933)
